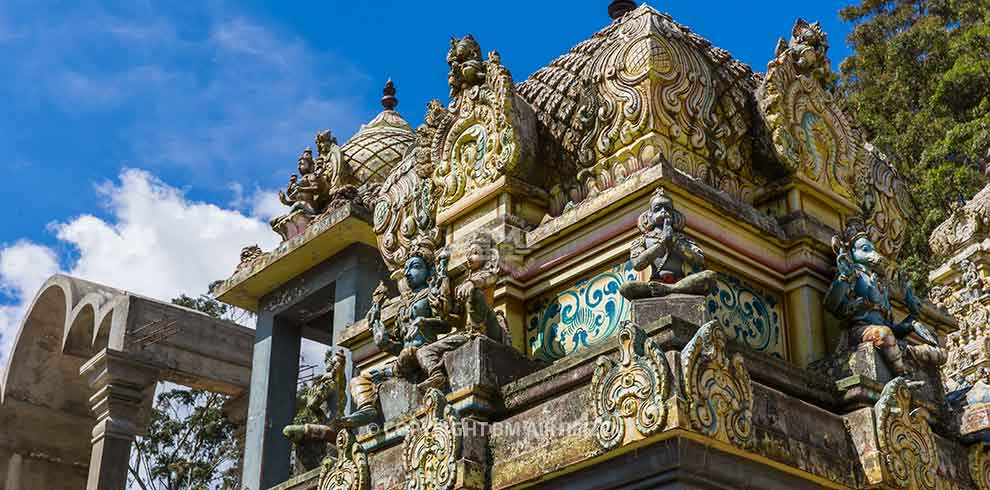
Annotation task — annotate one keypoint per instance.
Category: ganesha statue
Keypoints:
(860, 295)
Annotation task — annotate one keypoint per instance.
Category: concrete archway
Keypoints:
(82, 373)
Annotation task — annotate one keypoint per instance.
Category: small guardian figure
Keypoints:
(474, 293)
(664, 247)
(325, 399)
(860, 295)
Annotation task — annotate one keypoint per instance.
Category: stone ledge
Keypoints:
(306, 481)
(333, 232)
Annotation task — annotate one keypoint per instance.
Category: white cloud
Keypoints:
(157, 243)
(24, 267)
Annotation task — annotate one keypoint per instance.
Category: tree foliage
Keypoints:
(190, 444)
(919, 84)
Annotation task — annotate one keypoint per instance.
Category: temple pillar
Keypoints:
(272, 402)
(235, 409)
(317, 304)
(122, 388)
(13, 479)
(806, 322)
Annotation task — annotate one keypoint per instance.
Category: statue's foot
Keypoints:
(438, 381)
(358, 418)
(294, 433)
(639, 290)
(700, 283)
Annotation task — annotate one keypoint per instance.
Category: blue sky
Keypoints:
(142, 138)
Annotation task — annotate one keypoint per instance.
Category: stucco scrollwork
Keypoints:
(966, 225)
(350, 470)
(718, 388)
(979, 465)
(482, 141)
(811, 134)
(906, 442)
(404, 211)
(885, 201)
(630, 395)
(433, 447)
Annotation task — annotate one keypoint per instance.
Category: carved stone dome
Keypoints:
(379, 145)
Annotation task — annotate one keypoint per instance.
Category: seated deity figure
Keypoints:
(664, 247)
(861, 296)
(306, 192)
(424, 315)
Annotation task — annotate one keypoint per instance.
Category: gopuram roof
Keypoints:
(642, 93)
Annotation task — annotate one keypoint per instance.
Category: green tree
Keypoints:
(918, 81)
(190, 444)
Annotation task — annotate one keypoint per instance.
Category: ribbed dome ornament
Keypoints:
(389, 101)
(618, 8)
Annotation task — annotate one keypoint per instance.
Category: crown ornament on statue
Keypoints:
(424, 248)
(855, 229)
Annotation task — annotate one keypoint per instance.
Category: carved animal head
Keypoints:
(855, 246)
(809, 47)
(466, 67)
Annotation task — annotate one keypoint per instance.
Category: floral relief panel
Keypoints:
(591, 311)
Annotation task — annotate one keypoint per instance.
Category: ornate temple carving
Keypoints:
(884, 200)
(249, 254)
(812, 136)
(432, 447)
(324, 399)
(665, 248)
(405, 206)
(905, 440)
(966, 225)
(718, 388)
(349, 471)
(644, 89)
(979, 465)
(474, 293)
(968, 349)
(487, 132)
(630, 395)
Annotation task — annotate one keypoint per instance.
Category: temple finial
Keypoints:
(618, 8)
(388, 100)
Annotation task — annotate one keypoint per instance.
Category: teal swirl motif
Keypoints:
(748, 315)
(586, 314)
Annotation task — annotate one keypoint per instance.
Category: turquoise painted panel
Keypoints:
(748, 314)
(590, 311)
(585, 314)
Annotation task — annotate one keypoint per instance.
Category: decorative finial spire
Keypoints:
(618, 8)
(389, 101)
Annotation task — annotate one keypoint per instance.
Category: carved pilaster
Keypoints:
(433, 447)
(122, 388)
(979, 465)
(718, 388)
(350, 470)
(905, 441)
(630, 396)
